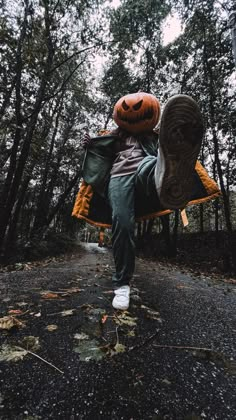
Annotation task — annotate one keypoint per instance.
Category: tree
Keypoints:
(43, 64)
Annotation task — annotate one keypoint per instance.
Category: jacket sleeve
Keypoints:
(98, 162)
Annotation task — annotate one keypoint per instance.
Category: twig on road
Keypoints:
(117, 335)
(182, 347)
(39, 357)
(144, 342)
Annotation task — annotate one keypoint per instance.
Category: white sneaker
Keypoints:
(121, 299)
(181, 132)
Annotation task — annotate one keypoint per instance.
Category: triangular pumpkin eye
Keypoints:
(125, 106)
(137, 106)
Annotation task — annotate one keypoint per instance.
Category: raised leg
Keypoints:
(181, 133)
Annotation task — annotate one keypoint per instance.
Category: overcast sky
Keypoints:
(172, 28)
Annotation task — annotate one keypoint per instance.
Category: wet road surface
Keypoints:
(172, 356)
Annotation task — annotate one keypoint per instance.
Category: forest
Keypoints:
(64, 64)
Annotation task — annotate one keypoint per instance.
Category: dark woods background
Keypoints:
(53, 86)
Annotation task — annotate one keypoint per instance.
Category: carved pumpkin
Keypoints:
(137, 112)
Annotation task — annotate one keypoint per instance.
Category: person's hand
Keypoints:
(86, 141)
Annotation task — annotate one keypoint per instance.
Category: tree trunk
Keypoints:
(12, 230)
(232, 23)
(213, 124)
(18, 173)
(166, 232)
(4, 211)
(41, 212)
(139, 232)
(62, 197)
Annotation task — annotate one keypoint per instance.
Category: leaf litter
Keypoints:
(49, 295)
(51, 327)
(68, 312)
(87, 348)
(60, 294)
(111, 350)
(125, 319)
(81, 336)
(14, 353)
(9, 322)
(15, 312)
(90, 349)
(10, 353)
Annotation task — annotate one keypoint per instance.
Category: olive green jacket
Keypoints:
(91, 202)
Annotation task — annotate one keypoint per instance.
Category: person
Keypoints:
(136, 171)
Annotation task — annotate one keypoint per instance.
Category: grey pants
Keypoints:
(123, 192)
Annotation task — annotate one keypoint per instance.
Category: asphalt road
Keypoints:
(69, 356)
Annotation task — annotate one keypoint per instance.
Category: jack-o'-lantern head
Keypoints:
(137, 112)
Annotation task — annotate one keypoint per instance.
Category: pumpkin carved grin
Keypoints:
(133, 118)
(137, 112)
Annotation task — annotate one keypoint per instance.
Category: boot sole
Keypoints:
(181, 133)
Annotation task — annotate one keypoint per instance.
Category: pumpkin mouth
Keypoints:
(134, 118)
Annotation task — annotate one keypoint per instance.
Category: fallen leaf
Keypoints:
(119, 348)
(131, 333)
(50, 295)
(111, 350)
(11, 353)
(38, 314)
(104, 319)
(68, 312)
(8, 322)
(15, 311)
(81, 336)
(108, 292)
(125, 319)
(30, 342)
(86, 306)
(89, 350)
(68, 292)
(51, 327)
